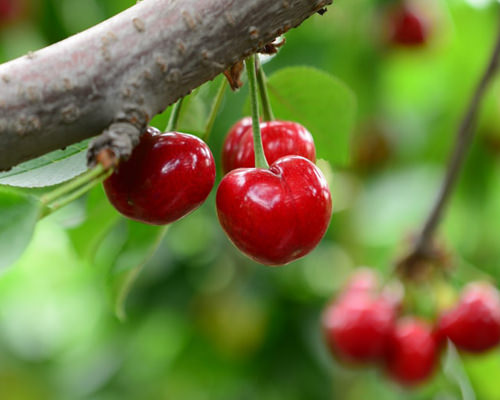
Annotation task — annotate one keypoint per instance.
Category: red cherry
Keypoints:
(408, 28)
(412, 355)
(167, 176)
(275, 215)
(279, 138)
(358, 327)
(474, 324)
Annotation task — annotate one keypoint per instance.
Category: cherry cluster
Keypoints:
(279, 214)
(363, 326)
(273, 215)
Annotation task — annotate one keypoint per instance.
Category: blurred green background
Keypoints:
(204, 322)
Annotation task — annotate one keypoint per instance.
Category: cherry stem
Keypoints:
(72, 190)
(267, 110)
(260, 157)
(73, 184)
(215, 108)
(423, 245)
(174, 116)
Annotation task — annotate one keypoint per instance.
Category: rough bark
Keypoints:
(116, 76)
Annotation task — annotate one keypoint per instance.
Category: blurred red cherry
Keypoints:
(474, 324)
(10, 10)
(412, 355)
(358, 327)
(408, 27)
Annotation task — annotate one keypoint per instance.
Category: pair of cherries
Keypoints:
(362, 326)
(279, 214)
(273, 215)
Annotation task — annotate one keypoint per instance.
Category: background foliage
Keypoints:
(203, 321)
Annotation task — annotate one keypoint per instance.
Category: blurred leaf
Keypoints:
(455, 371)
(140, 244)
(17, 222)
(319, 101)
(483, 371)
(100, 218)
(51, 169)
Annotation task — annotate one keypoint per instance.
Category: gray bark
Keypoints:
(116, 76)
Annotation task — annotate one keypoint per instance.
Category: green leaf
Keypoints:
(18, 217)
(454, 370)
(124, 252)
(483, 371)
(320, 102)
(51, 169)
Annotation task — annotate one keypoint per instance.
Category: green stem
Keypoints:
(70, 186)
(215, 108)
(60, 202)
(174, 117)
(260, 158)
(267, 111)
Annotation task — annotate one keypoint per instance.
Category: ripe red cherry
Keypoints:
(358, 327)
(408, 28)
(412, 355)
(167, 176)
(474, 324)
(275, 215)
(279, 138)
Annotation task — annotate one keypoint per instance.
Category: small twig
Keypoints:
(100, 176)
(423, 249)
(215, 109)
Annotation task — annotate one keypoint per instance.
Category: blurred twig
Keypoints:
(423, 249)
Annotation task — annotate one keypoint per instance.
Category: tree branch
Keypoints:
(117, 75)
(423, 248)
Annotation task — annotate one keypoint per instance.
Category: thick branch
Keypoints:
(423, 248)
(129, 68)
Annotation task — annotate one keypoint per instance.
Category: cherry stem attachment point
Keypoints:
(215, 108)
(267, 110)
(174, 116)
(260, 158)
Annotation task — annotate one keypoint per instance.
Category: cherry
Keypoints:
(412, 354)
(275, 215)
(474, 324)
(280, 138)
(358, 327)
(408, 28)
(167, 176)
